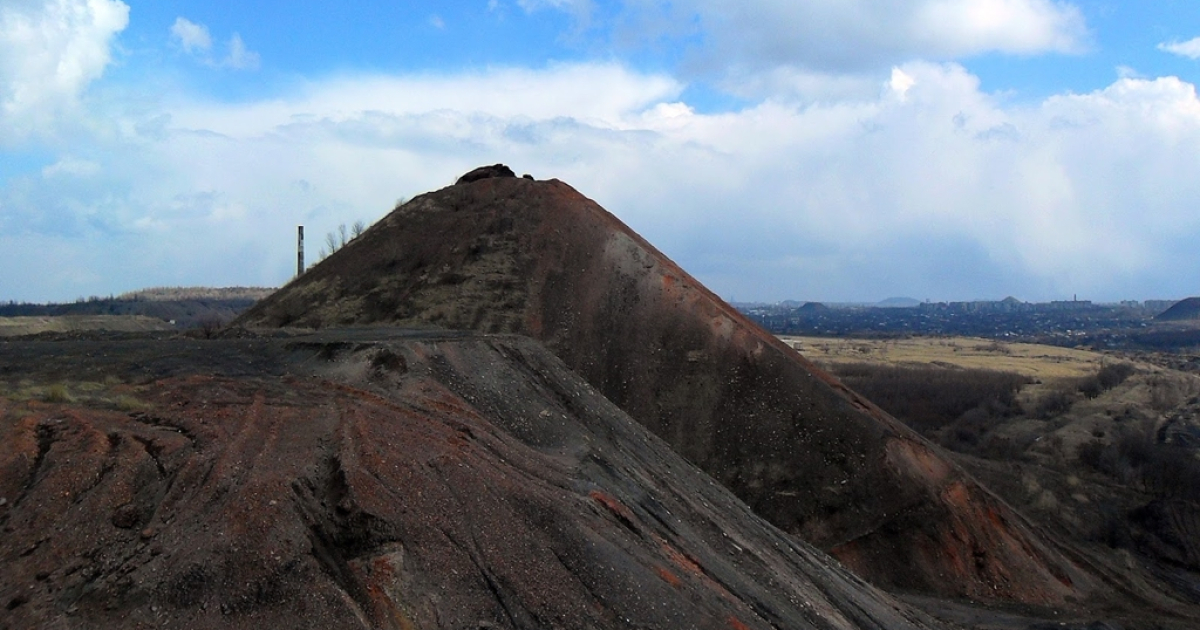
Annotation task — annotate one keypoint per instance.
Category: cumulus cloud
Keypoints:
(194, 38)
(240, 57)
(857, 35)
(1189, 49)
(928, 187)
(49, 53)
(196, 41)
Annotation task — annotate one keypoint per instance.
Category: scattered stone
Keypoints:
(125, 516)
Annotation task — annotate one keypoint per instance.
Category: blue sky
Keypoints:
(838, 150)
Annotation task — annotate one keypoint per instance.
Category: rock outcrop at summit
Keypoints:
(509, 255)
(484, 172)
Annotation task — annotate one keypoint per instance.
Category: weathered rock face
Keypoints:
(377, 480)
(812, 457)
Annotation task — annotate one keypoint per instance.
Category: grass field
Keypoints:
(17, 326)
(1033, 360)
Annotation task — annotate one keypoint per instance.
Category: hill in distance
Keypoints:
(899, 302)
(177, 307)
(1183, 310)
(537, 258)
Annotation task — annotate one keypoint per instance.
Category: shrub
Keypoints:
(128, 403)
(1054, 403)
(210, 325)
(1095, 454)
(929, 398)
(1165, 393)
(57, 393)
(1113, 374)
(1109, 376)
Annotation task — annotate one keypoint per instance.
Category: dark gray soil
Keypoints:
(803, 451)
(373, 479)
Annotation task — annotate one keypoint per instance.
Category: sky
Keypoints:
(831, 150)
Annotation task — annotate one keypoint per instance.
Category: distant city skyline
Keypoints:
(944, 149)
(1147, 302)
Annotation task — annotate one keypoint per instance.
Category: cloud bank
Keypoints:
(931, 187)
(49, 53)
(906, 180)
(850, 35)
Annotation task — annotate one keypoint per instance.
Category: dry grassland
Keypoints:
(111, 393)
(1033, 360)
(17, 326)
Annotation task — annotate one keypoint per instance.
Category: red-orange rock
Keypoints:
(374, 480)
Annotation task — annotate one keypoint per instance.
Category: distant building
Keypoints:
(1007, 305)
(1068, 305)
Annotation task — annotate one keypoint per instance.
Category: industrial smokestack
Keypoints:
(299, 250)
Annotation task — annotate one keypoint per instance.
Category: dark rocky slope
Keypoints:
(375, 479)
(812, 457)
(1181, 311)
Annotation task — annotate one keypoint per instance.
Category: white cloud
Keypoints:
(49, 53)
(196, 41)
(929, 187)
(1189, 49)
(71, 167)
(581, 10)
(194, 38)
(571, 5)
(1127, 72)
(742, 39)
(901, 83)
(240, 58)
(601, 93)
(953, 28)
(792, 83)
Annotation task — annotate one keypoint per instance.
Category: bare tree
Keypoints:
(337, 239)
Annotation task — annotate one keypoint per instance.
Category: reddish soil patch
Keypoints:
(375, 480)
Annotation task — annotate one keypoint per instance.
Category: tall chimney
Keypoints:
(299, 250)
